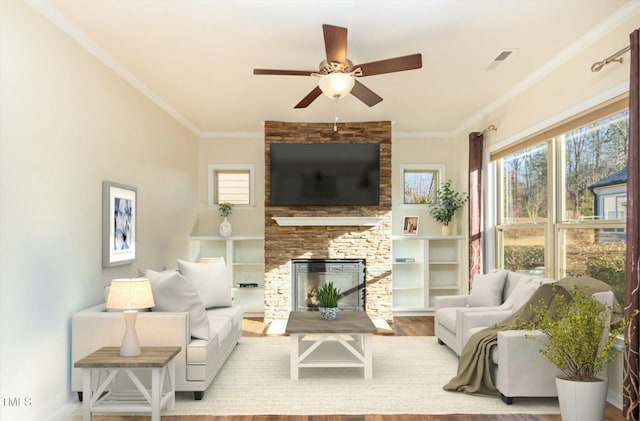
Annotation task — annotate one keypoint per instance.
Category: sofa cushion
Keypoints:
(487, 289)
(173, 292)
(235, 313)
(210, 280)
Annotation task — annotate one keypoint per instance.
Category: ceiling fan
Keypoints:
(338, 73)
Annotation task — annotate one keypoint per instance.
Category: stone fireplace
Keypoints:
(308, 275)
(329, 232)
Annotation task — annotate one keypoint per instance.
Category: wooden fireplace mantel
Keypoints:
(326, 221)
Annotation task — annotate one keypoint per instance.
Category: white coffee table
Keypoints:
(343, 342)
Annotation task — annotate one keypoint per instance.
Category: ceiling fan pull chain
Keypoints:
(335, 114)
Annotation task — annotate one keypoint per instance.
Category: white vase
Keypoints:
(225, 228)
(582, 401)
(446, 230)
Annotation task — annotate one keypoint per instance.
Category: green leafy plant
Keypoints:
(328, 295)
(447, 203)
(576, 337)
(225, 209)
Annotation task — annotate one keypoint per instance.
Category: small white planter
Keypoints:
(328, 313)
(225, 228)
(582, 401)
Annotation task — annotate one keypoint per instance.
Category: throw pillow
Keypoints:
(210, 280)
(174, 292)
(523, 291)
(487, 289)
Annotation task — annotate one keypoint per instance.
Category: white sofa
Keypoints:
(494, 297)
(193, 309)
(197, 363)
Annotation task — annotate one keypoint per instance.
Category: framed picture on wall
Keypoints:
(118, 224)
(410, 225)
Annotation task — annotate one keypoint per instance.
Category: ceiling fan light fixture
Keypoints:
(336, 85)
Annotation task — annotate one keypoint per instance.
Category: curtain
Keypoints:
(630, 392)
(476, 151)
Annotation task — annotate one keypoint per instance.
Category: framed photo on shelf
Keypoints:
(118, 224)
(410, 225)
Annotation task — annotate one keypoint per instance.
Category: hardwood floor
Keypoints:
(402, 326)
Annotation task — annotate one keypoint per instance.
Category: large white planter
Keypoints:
(582, 401)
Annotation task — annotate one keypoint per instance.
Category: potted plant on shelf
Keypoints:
(328, 297)
(225, 209)
(447, 203)
(578, 339)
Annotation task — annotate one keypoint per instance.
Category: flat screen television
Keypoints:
(325, 174)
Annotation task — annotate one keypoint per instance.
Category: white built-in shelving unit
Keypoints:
(244, 256)
(423, 268)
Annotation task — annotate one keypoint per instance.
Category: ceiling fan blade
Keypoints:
(398, 64)
(283, 72)
(311, 96)
(335, 43)
(365, 94)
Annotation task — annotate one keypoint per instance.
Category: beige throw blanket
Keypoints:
(474, 374)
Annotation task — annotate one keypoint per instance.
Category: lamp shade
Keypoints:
(130, 294)
(336, 85)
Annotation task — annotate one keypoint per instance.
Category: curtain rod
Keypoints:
(491, 128)
(595, 67)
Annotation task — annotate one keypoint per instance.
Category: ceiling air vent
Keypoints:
(499, 60)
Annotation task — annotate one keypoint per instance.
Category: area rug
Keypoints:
(408, 374)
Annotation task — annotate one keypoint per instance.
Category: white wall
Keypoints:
(419, 151)
(246, 150)
(66, 124)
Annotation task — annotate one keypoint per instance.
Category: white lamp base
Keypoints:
(130, 346)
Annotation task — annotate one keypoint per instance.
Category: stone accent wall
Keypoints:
(283, 243)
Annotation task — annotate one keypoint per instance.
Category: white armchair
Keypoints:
(493, 298)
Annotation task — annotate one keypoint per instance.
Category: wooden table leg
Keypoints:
(156, 372)
(295, 355)
(86, 394)
(368, 356)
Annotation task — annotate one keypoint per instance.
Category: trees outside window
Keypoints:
(562, 202)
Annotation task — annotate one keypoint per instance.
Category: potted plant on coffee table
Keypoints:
(578, 339)
(447, 203)
(328, 297)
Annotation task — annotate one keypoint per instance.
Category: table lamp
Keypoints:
(130, 295)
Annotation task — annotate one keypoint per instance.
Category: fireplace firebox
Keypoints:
(308, 275)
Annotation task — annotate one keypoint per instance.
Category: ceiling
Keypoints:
(195, 58)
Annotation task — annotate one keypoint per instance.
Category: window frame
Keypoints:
(439, 169)
(212, 184)
(555, 266)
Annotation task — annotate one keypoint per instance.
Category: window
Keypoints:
(420, 182)
(231, 183)
(561, 201)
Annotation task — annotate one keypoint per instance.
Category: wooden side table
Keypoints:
(101, 369)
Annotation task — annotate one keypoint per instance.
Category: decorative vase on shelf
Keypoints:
(225, 227)
(446, 230)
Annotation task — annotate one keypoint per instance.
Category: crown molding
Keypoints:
(50, 12)
(623, 14)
